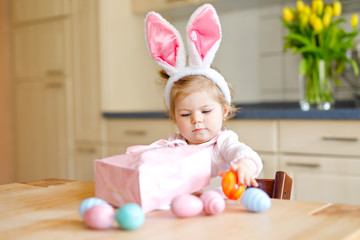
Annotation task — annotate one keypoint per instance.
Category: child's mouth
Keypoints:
(198, 130)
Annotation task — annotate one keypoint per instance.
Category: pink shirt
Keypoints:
(227, 150)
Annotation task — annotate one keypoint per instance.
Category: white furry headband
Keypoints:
(203, 35)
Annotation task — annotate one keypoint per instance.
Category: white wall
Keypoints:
(128, 74)
(250, 56)
(238, 53)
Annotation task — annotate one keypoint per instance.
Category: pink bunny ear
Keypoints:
(203, 36)
(164, 43)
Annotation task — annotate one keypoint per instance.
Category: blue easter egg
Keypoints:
(130, 216)
(88, 203)
(255, 200)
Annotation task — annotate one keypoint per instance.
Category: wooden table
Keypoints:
(48, 209)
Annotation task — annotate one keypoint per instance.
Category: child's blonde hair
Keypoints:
(192, 83)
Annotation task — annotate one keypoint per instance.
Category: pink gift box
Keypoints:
(152, 175)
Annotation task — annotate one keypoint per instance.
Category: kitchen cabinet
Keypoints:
(322, 157)
(57, 89)
(41, 51)
(323, 178)
(88, 121)
(41, 135)
(262, 137)
(325, 137)
(85, 155)
(30, 10)
(41, 85)
(122, 133)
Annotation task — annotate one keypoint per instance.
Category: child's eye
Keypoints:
(206, 111)
(185, 115)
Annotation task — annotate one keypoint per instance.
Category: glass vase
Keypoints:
(316, 86)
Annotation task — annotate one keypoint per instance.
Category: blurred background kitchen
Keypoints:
(69, 69)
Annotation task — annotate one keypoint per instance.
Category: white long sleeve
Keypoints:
(227, 150)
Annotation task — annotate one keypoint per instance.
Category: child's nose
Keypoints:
(197, 118)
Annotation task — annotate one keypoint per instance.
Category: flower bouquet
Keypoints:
(316, 33)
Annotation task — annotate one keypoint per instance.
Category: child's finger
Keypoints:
(254, 183)
(247, 181)
(241, 177)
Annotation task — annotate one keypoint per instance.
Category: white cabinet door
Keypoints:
(323, 179)
(270, 165)
(137, 131)
(40, 51)
(325, 137)
(41, 81)
(260, 135)
(41, 131)
(85, 156)
(87, 99)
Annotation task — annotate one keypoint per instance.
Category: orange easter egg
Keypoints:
(231, 188)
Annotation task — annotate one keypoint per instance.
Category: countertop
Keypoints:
(48, 209)
(345, 110)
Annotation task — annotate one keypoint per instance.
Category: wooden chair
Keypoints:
(279, 188)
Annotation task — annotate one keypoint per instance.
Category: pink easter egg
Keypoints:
(213, 202)
(100, 216)
(186, 205)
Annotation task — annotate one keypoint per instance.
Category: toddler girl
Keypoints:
(197, 96)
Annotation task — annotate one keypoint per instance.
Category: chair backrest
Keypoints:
(279, 188)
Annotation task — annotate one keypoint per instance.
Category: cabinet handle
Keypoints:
(86, 150)
(306, 165)
(54, 85)
(341, 139)
(55, 73)
(135, 133)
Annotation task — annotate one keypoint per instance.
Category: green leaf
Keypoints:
(311, 49)
(299, 38)
(355, 67)
(340, 66)
(303, 66)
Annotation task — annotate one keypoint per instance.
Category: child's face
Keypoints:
(199, 117)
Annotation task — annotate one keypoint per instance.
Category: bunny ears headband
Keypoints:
(203, 35)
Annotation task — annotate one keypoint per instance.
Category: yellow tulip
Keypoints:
(304, 19)
(328, 10)
(317, 6)
(318, 26)
(300, 6)
(288, 15)
(354, 20)
(320, 7)
(312, 19)
(337, 8)
(306, 10)
(327, 19)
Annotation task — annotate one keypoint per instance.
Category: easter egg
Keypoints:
(256, 200)
(230, 186)
(213, 202)
(100, 216)
(186, 205)
(88, 203)
(130, 216)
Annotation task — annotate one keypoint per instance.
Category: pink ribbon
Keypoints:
(158, 144)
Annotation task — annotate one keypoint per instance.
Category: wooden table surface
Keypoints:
(48, 209)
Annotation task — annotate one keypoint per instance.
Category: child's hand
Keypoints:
(245, 169)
